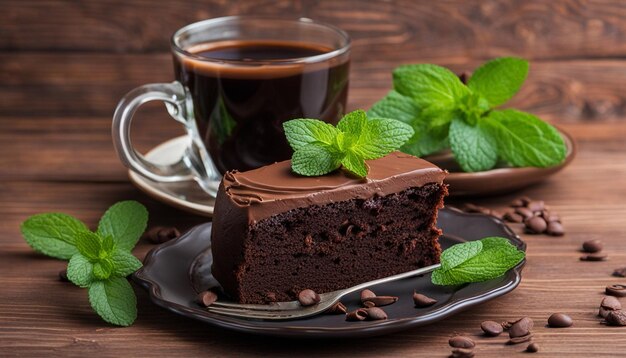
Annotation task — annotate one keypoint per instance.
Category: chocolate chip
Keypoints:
(513, 217)
(359, 314)
(160, 234)
(378, 301)
(611, 303)
(517, 340)
(555, 228)
(517, 203)
(521, 327)
(537, 205)
(616, 318)
(308, 297)
(536, 225)
(462, 353)
(491, 328)
(598, 256)
(560, 320)
(497, 214)
(616, 290)
(619, 272)
(366, 295)
(524, 212)
(369, 304)
(532, 348)
(506, 325)
(206, 298)
(422, 301)
(63, 276)
(337, 308)
(593, 246)
(603, 312)
(461, 342)
(375, 313)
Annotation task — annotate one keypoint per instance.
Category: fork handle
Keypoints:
(419, 271)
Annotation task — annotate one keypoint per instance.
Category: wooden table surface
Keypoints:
(65, 64)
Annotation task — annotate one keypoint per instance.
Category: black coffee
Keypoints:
(240, 108)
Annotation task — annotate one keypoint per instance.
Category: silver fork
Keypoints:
(294, 310)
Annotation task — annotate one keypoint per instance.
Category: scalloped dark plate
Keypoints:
(174, 271)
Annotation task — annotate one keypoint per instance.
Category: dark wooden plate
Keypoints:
(174, 271)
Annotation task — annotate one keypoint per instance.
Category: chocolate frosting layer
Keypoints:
(275, 188)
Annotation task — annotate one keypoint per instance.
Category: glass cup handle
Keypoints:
(195, 163)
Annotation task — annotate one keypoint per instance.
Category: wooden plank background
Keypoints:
(65, 64)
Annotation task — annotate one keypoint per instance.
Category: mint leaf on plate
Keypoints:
(114, 300)
(474, 147)
(525, 140)
(124, 222)
(494, 259)
(80, 271)
(500, 79)
(428, 84)
(53, 234)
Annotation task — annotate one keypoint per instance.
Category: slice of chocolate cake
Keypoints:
(276, 233)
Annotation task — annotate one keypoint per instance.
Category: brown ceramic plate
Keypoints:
(500, 180)
(175, 271)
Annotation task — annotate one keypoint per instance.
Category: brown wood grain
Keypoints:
(64, 65)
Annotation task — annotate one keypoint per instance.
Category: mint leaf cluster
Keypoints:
(319, 147)
(476, 261)
(446, 113)
(98, 261)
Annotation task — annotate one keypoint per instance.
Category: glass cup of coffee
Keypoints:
(237, 80)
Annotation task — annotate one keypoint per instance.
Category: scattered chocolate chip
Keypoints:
(378, 301)
(506, 325)
(619, 272)
(161, 234)
(517, 340)
(521, 327)
(603, 312)
(616, 290)
(598, 256)
(462, 353)
(611, 303)
(421, 301)
(491, 328)
(337, 308)
(308, 297)
(359, 314)
(555, 228)
(560, 320)
(375, 313)
(513, 217)
(536, 225)
(525, 212)
(593, 246)
(461, 342)
(537, 205)
(497, 214)
(552, 218)
(63, 276)
(532, 348)
(616, 318)
(369, 304)
(517, 203)
(366, 295)
(206, 298)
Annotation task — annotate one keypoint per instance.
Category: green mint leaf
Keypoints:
(89, 244)
(102, 269)
(355, 165)
(314, 160)
(124, 263)
(80, 270)
(381, 137)
(458, 254)
(429, 84)
(474, 147)
(124, 222)
(500, 79)
(525, 140)
(302, 132)
(497, 256)
(53, 234)
(395, 106)
(114, 300)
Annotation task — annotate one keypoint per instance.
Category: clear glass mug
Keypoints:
(233, 108)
